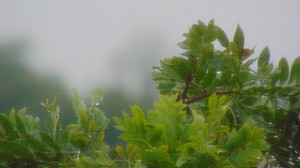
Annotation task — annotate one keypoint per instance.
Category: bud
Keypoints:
(192, 58)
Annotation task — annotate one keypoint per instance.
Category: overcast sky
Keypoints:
(88, 42)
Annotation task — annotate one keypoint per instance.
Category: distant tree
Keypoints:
(21, 87)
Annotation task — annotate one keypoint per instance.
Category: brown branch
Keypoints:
(200, 97)
(187, 86)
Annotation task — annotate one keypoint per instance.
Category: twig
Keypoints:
(200, 97)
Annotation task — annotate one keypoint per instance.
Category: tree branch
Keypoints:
(200, 97)
(187, 86)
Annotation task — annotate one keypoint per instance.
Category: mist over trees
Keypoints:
(21, 86)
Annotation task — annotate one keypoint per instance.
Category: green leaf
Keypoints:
(120, 151)
(46, 138)
(210, 78)
(250, 62)
(213, 103)
(64, 139)
(7, 157)
(295, 72)
(158, 76)
(97, 96)
(7, 126)
(239, 39)
(78, 105)
(79, 140)
(19, 149)
(222, 37)
(243, 76)
(284, 68)
(19, 124)
(35, 144)
(264, 57)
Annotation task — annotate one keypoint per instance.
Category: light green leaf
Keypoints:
(213, 103)
(250, 62)
(222, 37)
(120, 151)
(239, 39)
(264, 57)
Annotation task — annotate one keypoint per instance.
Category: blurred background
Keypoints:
(47, 48)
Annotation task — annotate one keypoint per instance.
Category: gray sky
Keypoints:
(102, 42)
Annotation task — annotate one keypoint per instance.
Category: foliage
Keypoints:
(23, 144)
(164, 137)
(269, 95)
(215, 111)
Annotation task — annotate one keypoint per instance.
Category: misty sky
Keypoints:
(110, 42)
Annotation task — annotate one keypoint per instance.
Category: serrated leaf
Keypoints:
(7, 126)
(158, 76)
(19, 124)
(264, 57)
(295, 72)
(183, 45)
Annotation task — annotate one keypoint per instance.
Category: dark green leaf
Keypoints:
(19, 124)
(64, 139)
(48, 140)
(7, 126)
(295, 72)
(6, 157)
(209, 78)
(35, 144)
(18, 149)
(243, 76)
(284, 68)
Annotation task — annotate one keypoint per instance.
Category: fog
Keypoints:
(114, 43)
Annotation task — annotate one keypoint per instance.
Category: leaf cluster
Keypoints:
(270, 95)
(24, 144)
(164, 137)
